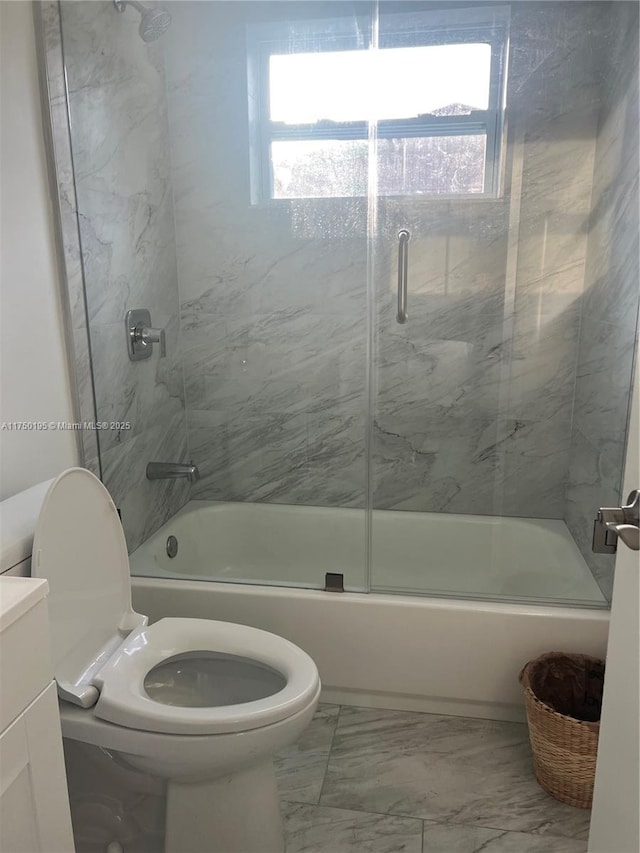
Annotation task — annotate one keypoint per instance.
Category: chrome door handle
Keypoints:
(618, 522)
(403, 271)
(629, 533)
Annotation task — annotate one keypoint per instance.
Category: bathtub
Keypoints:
(413, 642)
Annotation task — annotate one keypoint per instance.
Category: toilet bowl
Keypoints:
(200, 703)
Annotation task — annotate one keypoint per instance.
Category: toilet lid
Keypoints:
(79, 547)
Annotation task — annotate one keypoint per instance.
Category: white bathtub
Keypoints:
(419, 652)
(416, 552)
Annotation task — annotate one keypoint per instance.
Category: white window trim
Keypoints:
(410, 29)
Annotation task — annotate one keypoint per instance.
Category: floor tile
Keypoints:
(446, 769)
(454, 838)
(301, 767)
(315, 829)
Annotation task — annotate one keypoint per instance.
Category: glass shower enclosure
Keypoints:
(393, 248)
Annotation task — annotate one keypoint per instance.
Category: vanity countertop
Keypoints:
(17, 595)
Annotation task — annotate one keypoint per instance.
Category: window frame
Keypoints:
(487, 25)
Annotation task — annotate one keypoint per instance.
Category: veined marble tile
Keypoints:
(558, 167)
(81, 371)
(301, 767)
(289, 360)
(435, 463)
(286, 363)
(610, 305)
(603, 382)
(139, 392)
(67, 209)
(146, 505)
(329, 277)
(210, 355)
(613, 239)
(308, 459)
(126, 241)
(613, 296)
(336, 386)
(541, 374)
(545, 79)
(611, 292)
(261, 266)
(128, 251)
(464, 261)
(315, 829)
(449, 838)
(50, 15)
(401, 470)
(551, 262)
(119, 134)
(453, 362)
(482, 225)
(435, 311)
(449, 769)
(300, 334)
(195, 130)
(533, 466)
(593, 482)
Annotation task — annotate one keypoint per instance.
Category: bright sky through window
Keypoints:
(370, 85)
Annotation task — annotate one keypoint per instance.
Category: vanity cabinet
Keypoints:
(34, 805)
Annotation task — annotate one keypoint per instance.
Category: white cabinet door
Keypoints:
(18, 830)
(34, 807)
(615, 819)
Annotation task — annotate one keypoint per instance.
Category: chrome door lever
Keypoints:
(619, 522)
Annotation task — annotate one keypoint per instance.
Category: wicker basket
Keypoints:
(563, 694)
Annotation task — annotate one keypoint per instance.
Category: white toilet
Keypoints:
(201, 703)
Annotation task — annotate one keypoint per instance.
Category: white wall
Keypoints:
(34, 380)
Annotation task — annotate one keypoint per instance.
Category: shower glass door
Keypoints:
(485, 144)
(221, 183)
(272, 220)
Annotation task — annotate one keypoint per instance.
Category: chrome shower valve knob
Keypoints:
(141, 335)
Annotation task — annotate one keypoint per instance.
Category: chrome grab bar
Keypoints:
(403, 267)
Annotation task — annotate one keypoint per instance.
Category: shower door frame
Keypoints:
(54, 102)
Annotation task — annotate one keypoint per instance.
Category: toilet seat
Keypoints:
(124, 700)
(103, 650)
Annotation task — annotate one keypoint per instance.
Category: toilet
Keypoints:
(199, 703)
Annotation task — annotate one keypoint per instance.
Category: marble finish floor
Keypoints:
(362, 780)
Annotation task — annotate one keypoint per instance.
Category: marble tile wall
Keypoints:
(49, 33)
(473, 397)
(609, 305)
(119, 144)
(273, 297)
(474, 394)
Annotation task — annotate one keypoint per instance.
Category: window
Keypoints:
(432, 89)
